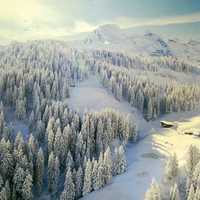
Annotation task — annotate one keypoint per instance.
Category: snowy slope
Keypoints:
(90, 95)
(146, 159)
(112, 38)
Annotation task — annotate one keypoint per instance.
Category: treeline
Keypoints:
(178, 183)
(52, 68)
(153, 93)
(149, 64)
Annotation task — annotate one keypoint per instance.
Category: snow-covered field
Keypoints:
(146, 159)
(90, 95)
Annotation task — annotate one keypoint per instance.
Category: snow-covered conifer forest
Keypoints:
(80, 119)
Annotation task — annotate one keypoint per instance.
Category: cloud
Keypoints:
(83, 26)
(125, 22)
(39, 19)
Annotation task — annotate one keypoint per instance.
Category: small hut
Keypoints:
(166, 124)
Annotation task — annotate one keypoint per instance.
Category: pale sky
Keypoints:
(38, 19)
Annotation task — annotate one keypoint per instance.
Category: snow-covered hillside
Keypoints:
(146, 159)
(91, 96)
(112, 38)
(49, 85)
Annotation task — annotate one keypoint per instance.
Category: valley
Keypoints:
(80, 119)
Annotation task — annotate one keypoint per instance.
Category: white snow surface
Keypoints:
(146, 158)
(90, 95)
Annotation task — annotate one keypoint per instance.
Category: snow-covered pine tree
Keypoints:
(153, 192)
(79, 182)
(56, 172)
(51, 172)
(100, 172)
(99, 136)
(120, 160)
(32, 145)
(69, 161)
(95, 175)
(108, 166)
(51, 138)
(196, 176)
(39, 170)
(18, 181)
(69, 188)
(171, 169)
(192, 159)
(27, 188)
(87, 183)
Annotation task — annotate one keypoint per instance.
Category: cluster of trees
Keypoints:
(65, 154)
(63, 145)
(151, 85)
(37, 70)
(178, 184)
(147, 64)
(152, 97)
(48, 68)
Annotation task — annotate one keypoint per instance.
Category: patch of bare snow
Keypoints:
(90, 95)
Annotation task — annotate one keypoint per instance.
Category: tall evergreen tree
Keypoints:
(27, 188)
(171, 169)
(192, 159)
(79, 182)
(108, 166)
(95, 184)
(39, 170)
(153, 192)
(69, 188)
(87, 184)
(120, 160)
(51, 163)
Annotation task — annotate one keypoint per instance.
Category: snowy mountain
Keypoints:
(59, 95)
(113, 38)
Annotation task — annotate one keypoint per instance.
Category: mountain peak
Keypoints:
(108, 27)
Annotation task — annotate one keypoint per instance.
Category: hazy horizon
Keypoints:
(49, 19)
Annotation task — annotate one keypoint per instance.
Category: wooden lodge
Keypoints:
(166, 124)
